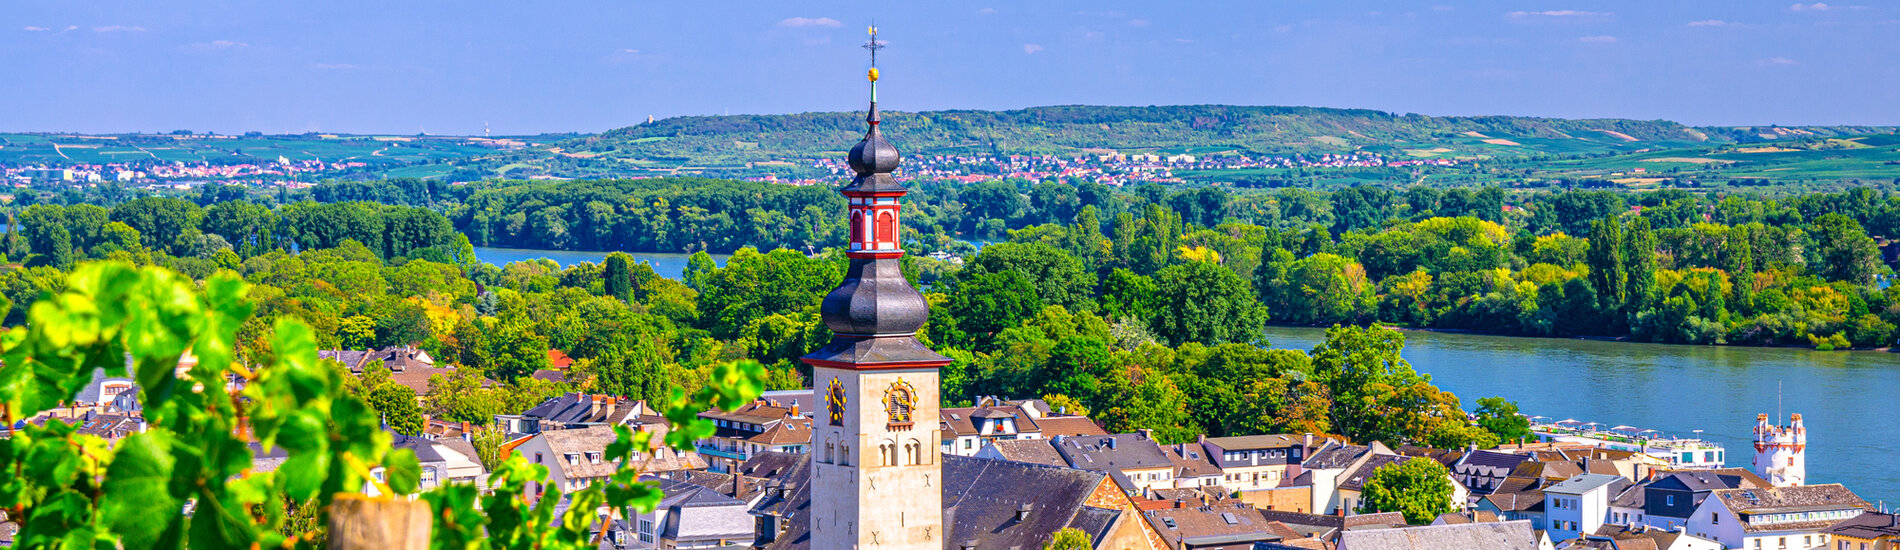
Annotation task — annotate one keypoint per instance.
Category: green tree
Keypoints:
(1419, 488)
(618, 276)
(1843, 250)
(1069, 538)
(1206, 303)
(1609, 274)
(397, 405)
(987, 303)
(1500, 417)
(1059, 278)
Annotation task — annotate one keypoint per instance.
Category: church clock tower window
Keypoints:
(879, 382)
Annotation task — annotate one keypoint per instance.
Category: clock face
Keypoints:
(900, 401)
(834, 401)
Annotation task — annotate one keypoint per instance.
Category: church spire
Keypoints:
(874, 312)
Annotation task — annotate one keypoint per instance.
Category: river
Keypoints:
(666, 265)
(1847, 399)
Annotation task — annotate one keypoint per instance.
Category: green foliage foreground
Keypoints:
(72, 490)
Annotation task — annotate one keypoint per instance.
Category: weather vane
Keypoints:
(873, 45)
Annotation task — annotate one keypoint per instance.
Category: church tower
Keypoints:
(1781, 452)
(876, 474)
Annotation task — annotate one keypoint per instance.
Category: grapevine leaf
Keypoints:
(137, 504)
(402, 471)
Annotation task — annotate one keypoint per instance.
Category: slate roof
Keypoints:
(1333, 456)
(1633, 496)
(1494, 459)
(980, 499)
(1033, 451)
(1357, 479)
(1508, 535)
(697, 514)
(1627, 537)
(111, 427)
(1191, 461)
(1523, 501)
(1870, 525)
(1326, 525)
(957, 421)
(1117, 452)
(581, 408)
(1584, 483)
(548, 375)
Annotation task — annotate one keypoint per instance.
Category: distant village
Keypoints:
(1016, 470)
(1106, 168)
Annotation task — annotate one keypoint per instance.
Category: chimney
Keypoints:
(1471, 448)
(1022, 512)
(794, 409)
(1146, 433)
(593, 406)
(968, 545)
(1307, 441)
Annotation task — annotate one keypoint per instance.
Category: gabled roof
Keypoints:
(1052, 426)
(1259, 442)
(1191, 461)
(1219, 523)
(1111, 453)
(1769, 500)
(1870, 525)
(1493, 459)
(1357, 479)
(1508, 535)
(1523, 501)
(795, 431)
(1333, 456)
(696, 513)
(1583, 483)
(980, 502)
(1033, 451)
(580, 442)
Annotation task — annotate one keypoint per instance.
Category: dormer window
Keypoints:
(572, 458)
(593, 457)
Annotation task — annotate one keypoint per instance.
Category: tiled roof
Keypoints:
(1508, 535)
(1229, 523)
(791, 432)
(1771, 500)
(1068, 426)
(1870, 525)
(1258, 442)
(580, 442)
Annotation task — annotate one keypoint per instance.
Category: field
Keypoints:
(68, 149)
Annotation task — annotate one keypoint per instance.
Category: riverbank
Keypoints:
(1614, 339)
(1677, 389)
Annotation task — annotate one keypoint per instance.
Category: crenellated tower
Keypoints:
(1781, 452)
(876, 470)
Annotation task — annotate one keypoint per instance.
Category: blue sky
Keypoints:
(448, 67)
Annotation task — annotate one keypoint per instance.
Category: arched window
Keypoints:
(829, 449)
(910, 453)
(884, 454)
(844, 455)
(857, 226)
(886, 227)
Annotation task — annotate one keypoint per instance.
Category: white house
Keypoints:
(1776, 518)
(1580, 504)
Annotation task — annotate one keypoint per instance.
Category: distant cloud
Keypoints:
(215, 45)
(1817, 6)
(1183, 40)
(333, 66)
(1711, 23)
(1559, 13)
(118, 28)
(1777, 61)
(36, 29)
(1031, 48)
(797, 22)
(1605, 39)
(70, 28)
(986, 11)
(1137, 22)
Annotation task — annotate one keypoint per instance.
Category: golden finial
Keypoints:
(873, 74)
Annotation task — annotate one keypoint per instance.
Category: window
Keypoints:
(1669, 500)
(537, 456)
(886, 227)
(1714, 519)
(857, 226)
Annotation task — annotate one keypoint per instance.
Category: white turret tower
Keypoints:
(1781, 452)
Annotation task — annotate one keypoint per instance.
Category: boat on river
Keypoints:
(1678, 452)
